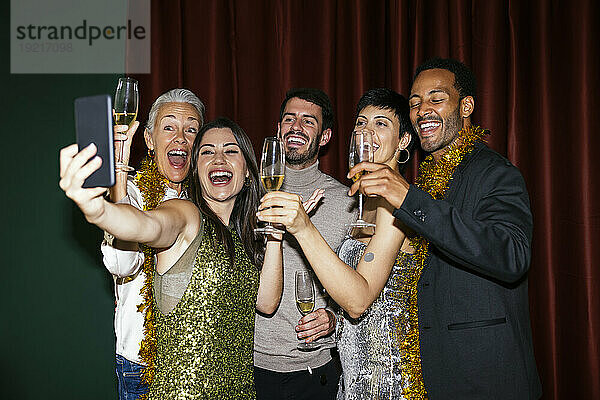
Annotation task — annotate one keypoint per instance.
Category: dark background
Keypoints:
(538, 68)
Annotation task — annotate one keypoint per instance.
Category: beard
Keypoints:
(298, 158)
(451, 126)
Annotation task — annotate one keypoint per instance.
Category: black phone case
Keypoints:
(94, 124)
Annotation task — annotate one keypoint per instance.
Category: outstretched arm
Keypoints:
(354, 290)
(157, 228)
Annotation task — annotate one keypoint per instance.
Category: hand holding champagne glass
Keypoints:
(272, 173)
(125, 112)
(305, 300)
(361, 149)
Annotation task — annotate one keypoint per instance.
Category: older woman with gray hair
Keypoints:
(175, 118)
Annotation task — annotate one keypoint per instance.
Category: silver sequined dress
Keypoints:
(379, 351)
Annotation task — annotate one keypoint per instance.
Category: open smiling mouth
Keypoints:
(427, 127)
(220, 177)
(177, 158)
(294, 140)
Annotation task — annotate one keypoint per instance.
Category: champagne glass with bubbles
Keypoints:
(125, 111)
(305, 300)
(361, 149)
(272, 173)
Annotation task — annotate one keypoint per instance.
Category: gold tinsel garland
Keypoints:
(409, 346)
(153, 186)
(434, 178)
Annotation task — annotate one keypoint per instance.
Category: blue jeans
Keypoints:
(130, 380)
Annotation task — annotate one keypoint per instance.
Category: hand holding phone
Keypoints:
(75, 167)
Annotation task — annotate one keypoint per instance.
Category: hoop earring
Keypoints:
(151, 153)
(407, 157)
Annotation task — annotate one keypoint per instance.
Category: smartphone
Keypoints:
(94, 124)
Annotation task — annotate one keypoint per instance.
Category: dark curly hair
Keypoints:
(464, 79)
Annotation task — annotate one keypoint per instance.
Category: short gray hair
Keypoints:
(175, 96)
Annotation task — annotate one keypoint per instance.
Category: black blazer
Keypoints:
(474, 326)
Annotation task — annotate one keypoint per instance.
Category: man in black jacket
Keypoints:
(469, 209)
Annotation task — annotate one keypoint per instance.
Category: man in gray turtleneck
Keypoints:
(281, 370)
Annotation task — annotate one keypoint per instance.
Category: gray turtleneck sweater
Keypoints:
(275, 339)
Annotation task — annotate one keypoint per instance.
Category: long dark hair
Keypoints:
(243, 217)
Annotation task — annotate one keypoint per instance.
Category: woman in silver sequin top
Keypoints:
(375, 280)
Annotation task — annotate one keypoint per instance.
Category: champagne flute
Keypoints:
(305, 300)
(272, 173)
(125, 111)
(361, 149)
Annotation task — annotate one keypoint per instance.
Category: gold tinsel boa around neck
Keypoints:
(151, 183)
(434, 178)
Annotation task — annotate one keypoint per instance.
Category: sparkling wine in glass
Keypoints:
(305, 300)
(125, 111)
(361, 149)
(272, 173)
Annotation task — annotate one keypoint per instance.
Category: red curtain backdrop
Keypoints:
(538, 68)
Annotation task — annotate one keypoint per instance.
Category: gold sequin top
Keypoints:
(379, 351)
(204, 345)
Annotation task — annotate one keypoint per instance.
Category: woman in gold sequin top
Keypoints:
(375, 279)
(207, 286)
